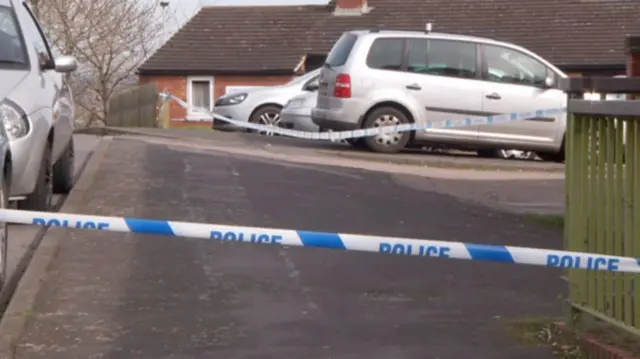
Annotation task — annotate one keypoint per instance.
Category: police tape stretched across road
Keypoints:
(374, 131)
(349, 242)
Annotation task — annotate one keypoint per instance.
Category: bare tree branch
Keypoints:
(110, 39)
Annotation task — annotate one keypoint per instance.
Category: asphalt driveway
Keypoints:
(110, 295)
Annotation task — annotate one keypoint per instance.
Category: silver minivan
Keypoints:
(375, 78)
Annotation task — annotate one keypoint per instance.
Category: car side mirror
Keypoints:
(66, 64)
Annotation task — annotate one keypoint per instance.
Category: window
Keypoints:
(36, 38)
(12, 50)
(200, 95)
(417, 56)
(442, 58)
(386, 54)
(339, 54)
(513, 67)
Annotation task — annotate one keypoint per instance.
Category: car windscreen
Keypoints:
(12, 49)
(339, 54)
(304, 78)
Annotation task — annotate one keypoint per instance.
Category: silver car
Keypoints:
(36, 108)
(5, 179)
(262, 105)
(296, 113)
(380, 78)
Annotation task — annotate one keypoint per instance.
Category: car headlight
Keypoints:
(232, 99)
(14, 120)
(294, 104)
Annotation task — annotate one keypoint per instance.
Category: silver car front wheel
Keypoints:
(267, 116)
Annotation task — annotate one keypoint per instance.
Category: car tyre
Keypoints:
(4, 234)
(389, 143)
(63, 171)
(487, 153)
(517, 155)
(553, 157)
(356, 142)
(266, 115)
(42, 196)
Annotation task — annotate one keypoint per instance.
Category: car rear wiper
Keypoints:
(326, 65)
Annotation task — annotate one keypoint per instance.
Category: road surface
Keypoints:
(110, 295)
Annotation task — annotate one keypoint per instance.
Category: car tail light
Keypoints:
(343, 86)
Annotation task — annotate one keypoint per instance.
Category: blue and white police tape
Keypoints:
(340, 241)
(374, 131)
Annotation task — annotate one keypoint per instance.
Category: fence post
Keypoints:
(603, 196)
(164, 115)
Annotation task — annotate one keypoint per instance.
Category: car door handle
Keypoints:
(493, 96)
(415, 87)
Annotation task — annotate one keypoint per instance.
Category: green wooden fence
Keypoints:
(603, 196)
(136, 107)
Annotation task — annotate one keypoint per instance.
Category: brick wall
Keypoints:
(177, 85)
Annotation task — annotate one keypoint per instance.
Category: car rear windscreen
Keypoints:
(341, 50)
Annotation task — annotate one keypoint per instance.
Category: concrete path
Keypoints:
(21, 237)
(110, 295)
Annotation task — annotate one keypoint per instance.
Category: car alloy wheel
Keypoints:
(269, 119)
(387, 139)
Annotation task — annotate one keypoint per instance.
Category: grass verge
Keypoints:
(543, 332)
(565, 343)
(547, 220)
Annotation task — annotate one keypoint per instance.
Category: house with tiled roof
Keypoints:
(223, 47)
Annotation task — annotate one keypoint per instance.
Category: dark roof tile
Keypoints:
(247, 39)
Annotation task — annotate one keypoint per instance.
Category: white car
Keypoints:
(36, 108)
(262, 105)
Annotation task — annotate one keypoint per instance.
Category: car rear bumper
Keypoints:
(333, 120)
(298, 120)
